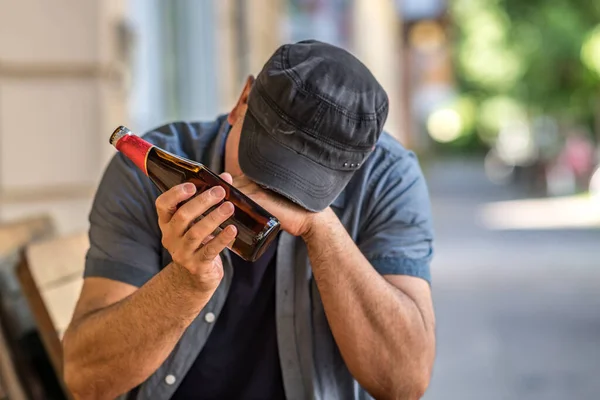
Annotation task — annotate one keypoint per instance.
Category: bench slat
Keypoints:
(15, 235)
(51, 275)
(60, 302)
(56, 260)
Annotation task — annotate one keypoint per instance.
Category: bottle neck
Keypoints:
(136, 149)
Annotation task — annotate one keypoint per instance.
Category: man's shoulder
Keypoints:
(389, 168)
(188, 139)
(390, 147)
(390, 157)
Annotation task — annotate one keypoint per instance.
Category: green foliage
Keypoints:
(590, 52)
(528, 58)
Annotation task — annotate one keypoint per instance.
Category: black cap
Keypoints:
(315, 113)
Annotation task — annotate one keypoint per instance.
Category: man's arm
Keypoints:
(383, 326)
(120, 334)
(375, 293)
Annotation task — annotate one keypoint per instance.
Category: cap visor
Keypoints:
(275, 166)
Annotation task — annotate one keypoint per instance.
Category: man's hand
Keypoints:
(188, 240)
(294, 219)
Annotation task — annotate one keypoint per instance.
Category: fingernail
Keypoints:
(231, 230)
(217, 191)
(189, 188)
(226, 208)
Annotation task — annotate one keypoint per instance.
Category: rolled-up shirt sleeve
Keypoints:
(397, 237)
(124, 234)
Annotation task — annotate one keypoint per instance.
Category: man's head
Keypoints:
(308, 122)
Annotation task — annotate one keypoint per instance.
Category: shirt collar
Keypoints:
(340, 201)
(216, 159)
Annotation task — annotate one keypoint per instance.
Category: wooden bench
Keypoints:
(17, 380)
(10, 385)
(51, 274)
(16, 234)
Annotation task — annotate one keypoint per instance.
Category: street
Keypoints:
(518, 312)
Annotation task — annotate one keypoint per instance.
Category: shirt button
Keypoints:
(170, 379)
(209, 317)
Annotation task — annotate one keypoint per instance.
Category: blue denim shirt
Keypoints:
(385, 208)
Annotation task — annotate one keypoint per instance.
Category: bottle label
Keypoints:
(136, 149)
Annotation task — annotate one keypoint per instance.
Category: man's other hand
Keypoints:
(294, 219)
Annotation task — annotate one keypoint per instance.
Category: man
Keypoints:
(338, 307)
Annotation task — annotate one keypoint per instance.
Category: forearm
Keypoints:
(116, 348)
(384, 339)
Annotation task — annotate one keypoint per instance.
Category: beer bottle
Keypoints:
(255, 226)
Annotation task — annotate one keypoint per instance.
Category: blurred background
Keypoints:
(499, 98)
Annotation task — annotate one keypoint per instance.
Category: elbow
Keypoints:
(400, 386)
(87, 383)
(422, 385)
(82, 388)
(75, 383)
(405, 388)
(76, 379)
(72, 371)
(413, 386)
(413, 390)
(408, 383)
(71, 378)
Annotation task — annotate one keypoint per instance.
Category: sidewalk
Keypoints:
(517, 309)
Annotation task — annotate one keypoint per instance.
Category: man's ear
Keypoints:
(240, 107)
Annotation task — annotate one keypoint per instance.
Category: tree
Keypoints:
(520, 59)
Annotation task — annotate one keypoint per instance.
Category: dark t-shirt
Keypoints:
(240, 359)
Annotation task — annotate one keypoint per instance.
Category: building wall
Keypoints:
(377, 42)
(61, 94)
(71, 71)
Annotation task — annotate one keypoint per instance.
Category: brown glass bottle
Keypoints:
(255, 226)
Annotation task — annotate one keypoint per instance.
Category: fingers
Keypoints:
(166, 203)
(226, 176)
(241, 181)
(189, 230)
(209, 251)
(188, 213)
(198, 233)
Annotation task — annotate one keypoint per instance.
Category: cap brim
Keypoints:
(275, 166)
